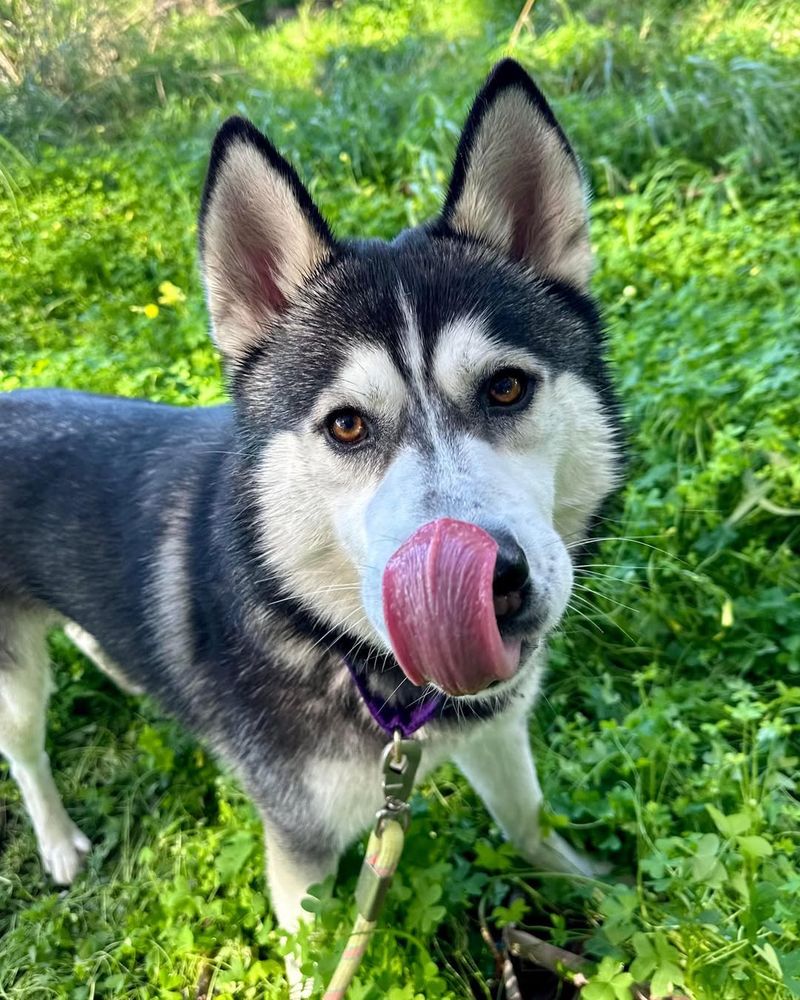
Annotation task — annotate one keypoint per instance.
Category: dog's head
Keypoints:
(427, 423)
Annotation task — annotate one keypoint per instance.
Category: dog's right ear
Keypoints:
(261, 237)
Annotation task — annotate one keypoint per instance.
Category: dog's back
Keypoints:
(87, 482)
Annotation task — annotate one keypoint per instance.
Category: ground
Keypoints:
(668, 739)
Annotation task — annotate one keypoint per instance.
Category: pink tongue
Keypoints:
(439, 608)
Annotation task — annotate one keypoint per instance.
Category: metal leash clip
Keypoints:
(399, 765)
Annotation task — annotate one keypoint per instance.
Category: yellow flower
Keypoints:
(726, 618)
(151, 310)
(170, 294)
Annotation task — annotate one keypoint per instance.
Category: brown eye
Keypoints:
(347, 427)
(507, 387)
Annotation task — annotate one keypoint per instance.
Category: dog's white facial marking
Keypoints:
(587, 463)
(425, 408)
(428, 412)
(298, 535)
(566, 421)
(317, 542)
(465, 355)
(470, 479)
(369, 382)
(413, 353)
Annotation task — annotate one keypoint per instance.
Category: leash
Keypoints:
(399, 765)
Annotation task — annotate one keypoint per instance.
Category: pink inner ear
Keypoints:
(267, 290)
(520, 239)
(255, 266)
(527, 221)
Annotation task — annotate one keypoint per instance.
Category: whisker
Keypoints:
(581, 614)
(635, 541)
(339, 625)
(389, 697)
(605, 597)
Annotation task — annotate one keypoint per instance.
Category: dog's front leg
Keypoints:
(498, 763)
(290, 872)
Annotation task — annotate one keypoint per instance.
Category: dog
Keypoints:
(375, 535)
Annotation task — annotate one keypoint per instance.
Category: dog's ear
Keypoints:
(516, 182)
(261, 237)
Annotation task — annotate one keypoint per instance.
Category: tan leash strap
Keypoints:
(400, 762)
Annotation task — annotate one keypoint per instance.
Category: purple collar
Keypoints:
(407, 718)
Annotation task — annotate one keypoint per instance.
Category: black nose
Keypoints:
(511, 583)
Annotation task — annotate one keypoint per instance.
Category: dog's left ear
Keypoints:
(516, 182)
(261, 237)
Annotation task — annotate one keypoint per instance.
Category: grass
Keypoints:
(669, 737)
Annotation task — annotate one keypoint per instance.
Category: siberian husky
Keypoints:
(375, 535)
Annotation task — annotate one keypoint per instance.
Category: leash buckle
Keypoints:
(393, 809)
(399, 765)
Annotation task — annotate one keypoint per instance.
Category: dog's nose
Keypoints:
(511, 583)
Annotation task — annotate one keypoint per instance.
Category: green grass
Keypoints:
(670, 734)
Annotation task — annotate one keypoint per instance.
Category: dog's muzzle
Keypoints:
(452, 595)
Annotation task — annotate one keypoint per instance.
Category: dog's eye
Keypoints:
(507, 387)
(347, 427)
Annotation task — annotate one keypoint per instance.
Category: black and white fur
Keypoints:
(225, 560)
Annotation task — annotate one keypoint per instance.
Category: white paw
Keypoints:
(554, 854)
(299, 986)
(63, 854)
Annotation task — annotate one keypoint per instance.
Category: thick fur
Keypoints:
(228, 560)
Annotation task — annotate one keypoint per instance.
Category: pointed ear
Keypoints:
(516, 182)
(261, 237)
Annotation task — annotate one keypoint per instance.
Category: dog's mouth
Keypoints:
(443, 611)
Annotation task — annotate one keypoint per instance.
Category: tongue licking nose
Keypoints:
(440, 610)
